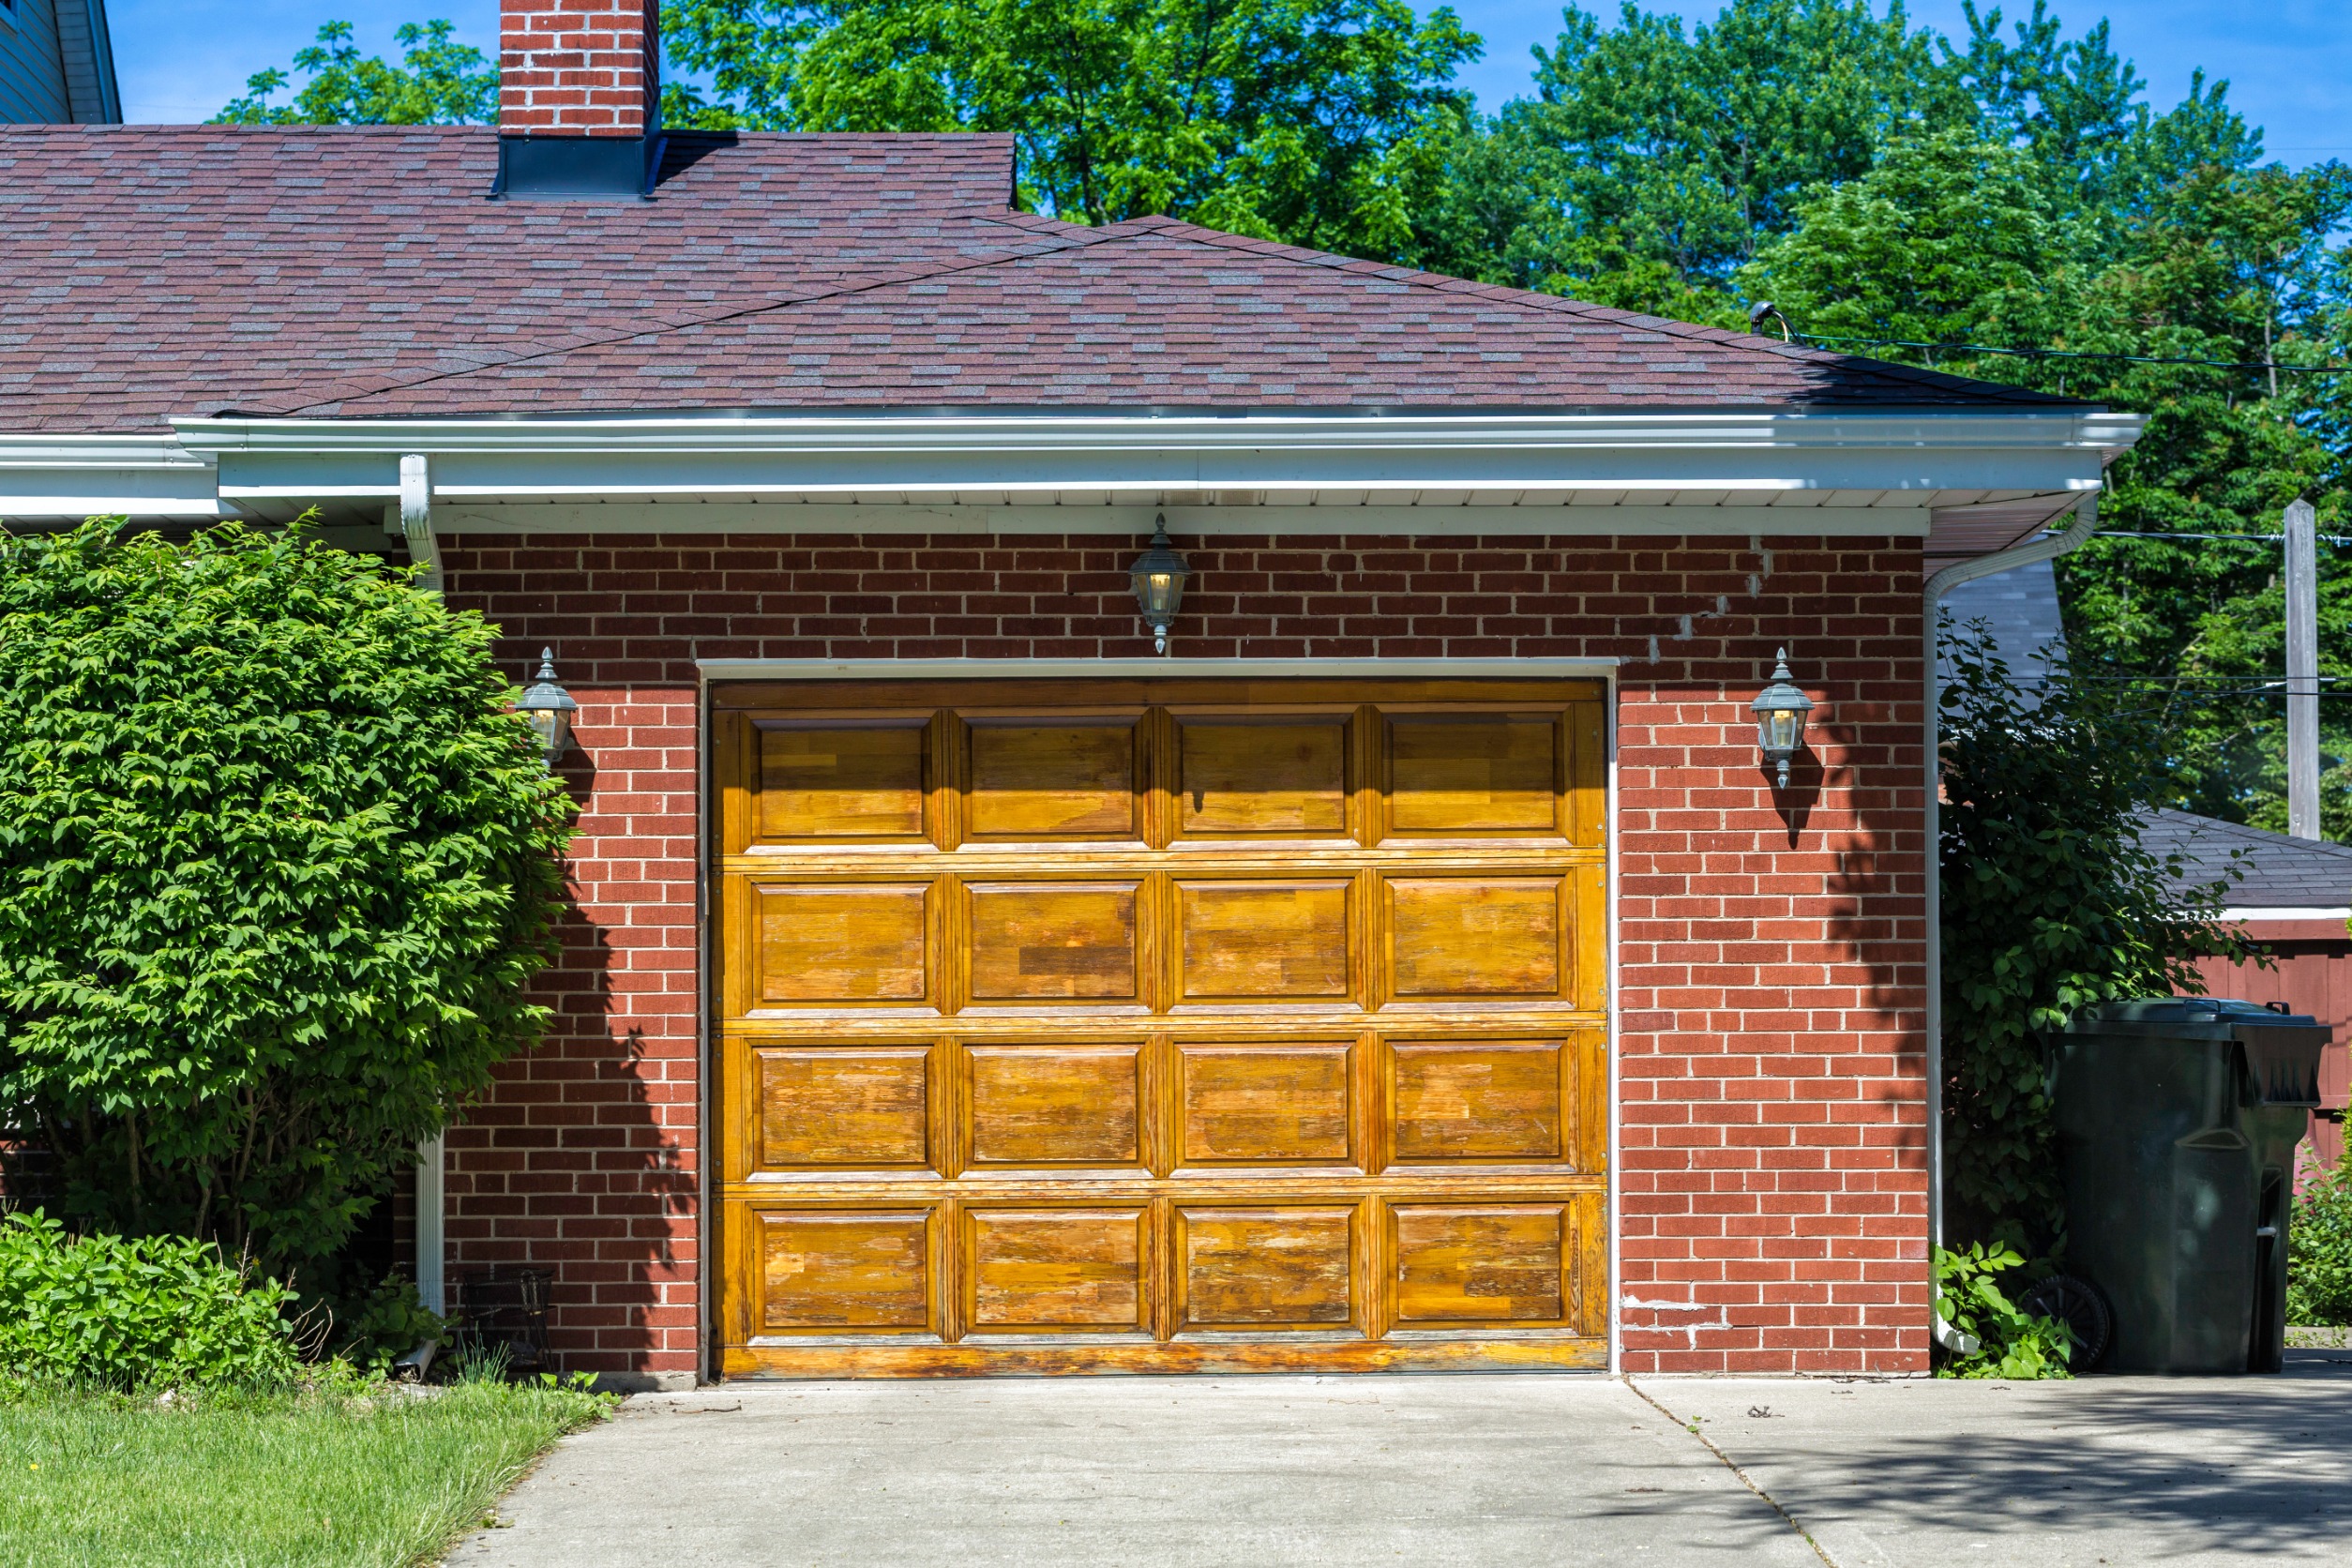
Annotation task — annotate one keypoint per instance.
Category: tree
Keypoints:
(276, 862)
(1317, 122)
(2050, 904)
(439, 82)
(1650, 164)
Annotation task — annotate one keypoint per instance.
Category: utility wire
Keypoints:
(2081, 354)
(2128, 534)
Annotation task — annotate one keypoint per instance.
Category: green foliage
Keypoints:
(276, 861)
(373, 1328)
(2319, 1251)
(155, 1312)
(437, 83)
(1318, 122)
(2009, 1343)
(2050, 904)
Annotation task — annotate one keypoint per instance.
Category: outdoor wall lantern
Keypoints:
(1158, 575)
(1780, 717)
(549, 709)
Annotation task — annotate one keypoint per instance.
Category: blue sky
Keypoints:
(2288, 62)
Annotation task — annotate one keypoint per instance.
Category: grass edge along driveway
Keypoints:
(320, 1477)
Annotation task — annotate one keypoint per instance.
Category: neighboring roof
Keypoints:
(2019, 612)
(345, 271)
(2280, 872)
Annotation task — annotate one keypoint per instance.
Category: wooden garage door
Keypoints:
(1160, 1026)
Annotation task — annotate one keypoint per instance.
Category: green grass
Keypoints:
(286, 1480)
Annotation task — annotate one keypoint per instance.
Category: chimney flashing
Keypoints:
(576, 168)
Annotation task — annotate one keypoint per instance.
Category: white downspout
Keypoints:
(424, 551)
(431, 1230)
(2047, 548)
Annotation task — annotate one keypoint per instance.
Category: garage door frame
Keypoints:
(709, 960)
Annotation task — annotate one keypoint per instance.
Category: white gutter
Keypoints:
(2048, 548)
(1900, 456)
(75, 476)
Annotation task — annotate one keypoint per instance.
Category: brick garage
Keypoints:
(661, 398)
(1770, 968)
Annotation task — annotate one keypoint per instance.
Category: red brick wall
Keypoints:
(1773, 1213)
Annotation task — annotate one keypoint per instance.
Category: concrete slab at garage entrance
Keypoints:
(1497, 1471)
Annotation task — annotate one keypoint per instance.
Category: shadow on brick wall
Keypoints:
(573, 1164)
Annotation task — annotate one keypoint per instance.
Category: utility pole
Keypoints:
(2302, 671)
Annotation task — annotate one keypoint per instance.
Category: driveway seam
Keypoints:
(1745, 1480)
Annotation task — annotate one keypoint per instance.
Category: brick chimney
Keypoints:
(579, 97)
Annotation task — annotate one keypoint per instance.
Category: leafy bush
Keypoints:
(151, 1312)
(2049, 905)
(372, 1328)
(2319, 1251)
(276, 862)
(2009, 1343)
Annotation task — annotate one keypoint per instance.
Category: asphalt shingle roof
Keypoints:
(2280, 872)
(323, 271)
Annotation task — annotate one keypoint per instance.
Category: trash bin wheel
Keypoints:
(2078, 1304)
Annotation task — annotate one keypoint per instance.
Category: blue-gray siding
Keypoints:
(57, 64)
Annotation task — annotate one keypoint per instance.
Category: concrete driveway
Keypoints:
(1492, 1470)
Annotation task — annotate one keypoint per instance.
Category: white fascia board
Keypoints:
(1037, 459)
(2285, 912)
(1147, 669)
(1119, 521)
(47, 479)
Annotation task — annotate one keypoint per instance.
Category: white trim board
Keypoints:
(1152, 668)
(2285, 912)
(1802, 514)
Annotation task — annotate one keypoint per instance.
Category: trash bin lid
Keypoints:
(2281, 1051)
(2195, 1017)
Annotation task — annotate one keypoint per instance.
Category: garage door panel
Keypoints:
(1461, 1102)
(842, 780)
(1238, 777)
(848, 1270)
(1269, 1102)
(1042, 779)
(843, 1108)
(1495, 1264)
(835, 943)
(1046, 1270)
(1266, 941)
(1474, 775)
(1266, 1267)
(1052, 1104)
(1054, 942)
(1478, 938)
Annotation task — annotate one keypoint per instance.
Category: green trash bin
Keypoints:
(2178, 1118)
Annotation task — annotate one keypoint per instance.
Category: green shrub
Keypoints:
(2050, 904)
(2320, 1252)
(276, 862)
(372, 1328)
(2009, 1343)
(150, 1312)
